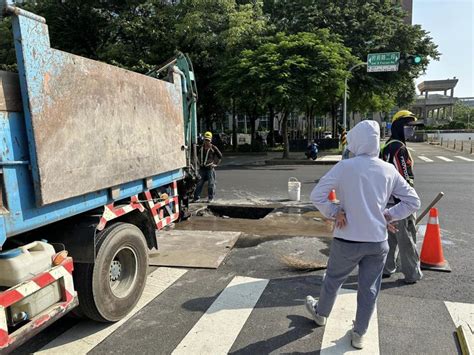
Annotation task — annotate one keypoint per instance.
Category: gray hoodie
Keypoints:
(363, 186)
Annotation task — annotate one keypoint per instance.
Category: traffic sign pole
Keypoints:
(376, 62)
(344, 111)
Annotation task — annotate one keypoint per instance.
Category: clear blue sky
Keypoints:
(451, 24)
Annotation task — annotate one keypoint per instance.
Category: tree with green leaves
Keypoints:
(198, 32)
(248, 28)
(365, 27)
(291, 71)
(134, 34)
(224, 37)
(463, 113)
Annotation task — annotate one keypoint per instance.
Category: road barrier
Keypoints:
(462, 146)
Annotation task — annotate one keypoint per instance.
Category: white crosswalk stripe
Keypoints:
(463, 158)
(216, 331)
(88, 334)
(224, 321)
(444, 158)
(337, 338)
(462, 315)
(428, 160)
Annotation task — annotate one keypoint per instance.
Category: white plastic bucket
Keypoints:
(294, 189)
(25, 262)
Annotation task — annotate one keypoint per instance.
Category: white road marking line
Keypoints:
(330, 158)
(409, 148)
(428, 160)
(443, 158)
(337, 335)
(463, 314)
(86, 335)
(216, 331)
(463, 158)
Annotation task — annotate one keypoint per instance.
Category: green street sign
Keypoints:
(380, 62)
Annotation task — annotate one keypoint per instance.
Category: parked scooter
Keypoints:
(312, 151)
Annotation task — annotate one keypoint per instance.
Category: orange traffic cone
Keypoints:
(431, 256)
(332, 196)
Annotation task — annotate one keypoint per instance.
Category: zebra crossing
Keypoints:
(86, 335)
(441, 158)
(233, 322)
(430, 154)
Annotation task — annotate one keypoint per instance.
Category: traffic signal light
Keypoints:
(410, 59)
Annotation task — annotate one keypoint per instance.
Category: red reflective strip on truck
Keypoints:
(10, 297)
(68, 265)
(43, 279)
(42, 319)
(4, 338)
(119, 212)
(135, 203)
(68, 295)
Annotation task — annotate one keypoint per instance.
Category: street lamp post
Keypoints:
(344, 118)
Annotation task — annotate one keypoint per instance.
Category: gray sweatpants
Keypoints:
(403, 255)
(343, 258)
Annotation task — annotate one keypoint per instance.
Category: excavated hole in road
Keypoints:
(244, 212)
(257, 223)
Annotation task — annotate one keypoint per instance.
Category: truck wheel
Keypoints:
(110, 288)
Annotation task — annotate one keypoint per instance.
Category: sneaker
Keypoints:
(195, 200)
(357, 340)
(210, 200)
(311, 304)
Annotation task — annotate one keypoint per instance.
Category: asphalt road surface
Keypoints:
(253, 304)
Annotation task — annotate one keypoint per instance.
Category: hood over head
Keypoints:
(364, 138)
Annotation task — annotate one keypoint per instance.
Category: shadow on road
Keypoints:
(299, 327)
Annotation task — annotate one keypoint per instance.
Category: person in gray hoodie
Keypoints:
(363, 185)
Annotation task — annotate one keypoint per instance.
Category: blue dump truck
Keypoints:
(94, 161)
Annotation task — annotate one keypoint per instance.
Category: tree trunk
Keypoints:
(286, 143)
(234, 127)
(253, 119)
(271, 134)
(334, 120)
(306, 131)
(311, 123)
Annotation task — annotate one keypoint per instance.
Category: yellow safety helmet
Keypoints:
(403, 114)
(208, 135)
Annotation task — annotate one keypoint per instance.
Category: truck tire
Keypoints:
(110, 288)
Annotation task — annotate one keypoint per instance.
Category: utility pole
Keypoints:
(344, 114)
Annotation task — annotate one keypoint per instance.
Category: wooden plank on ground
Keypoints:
(199, 249)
